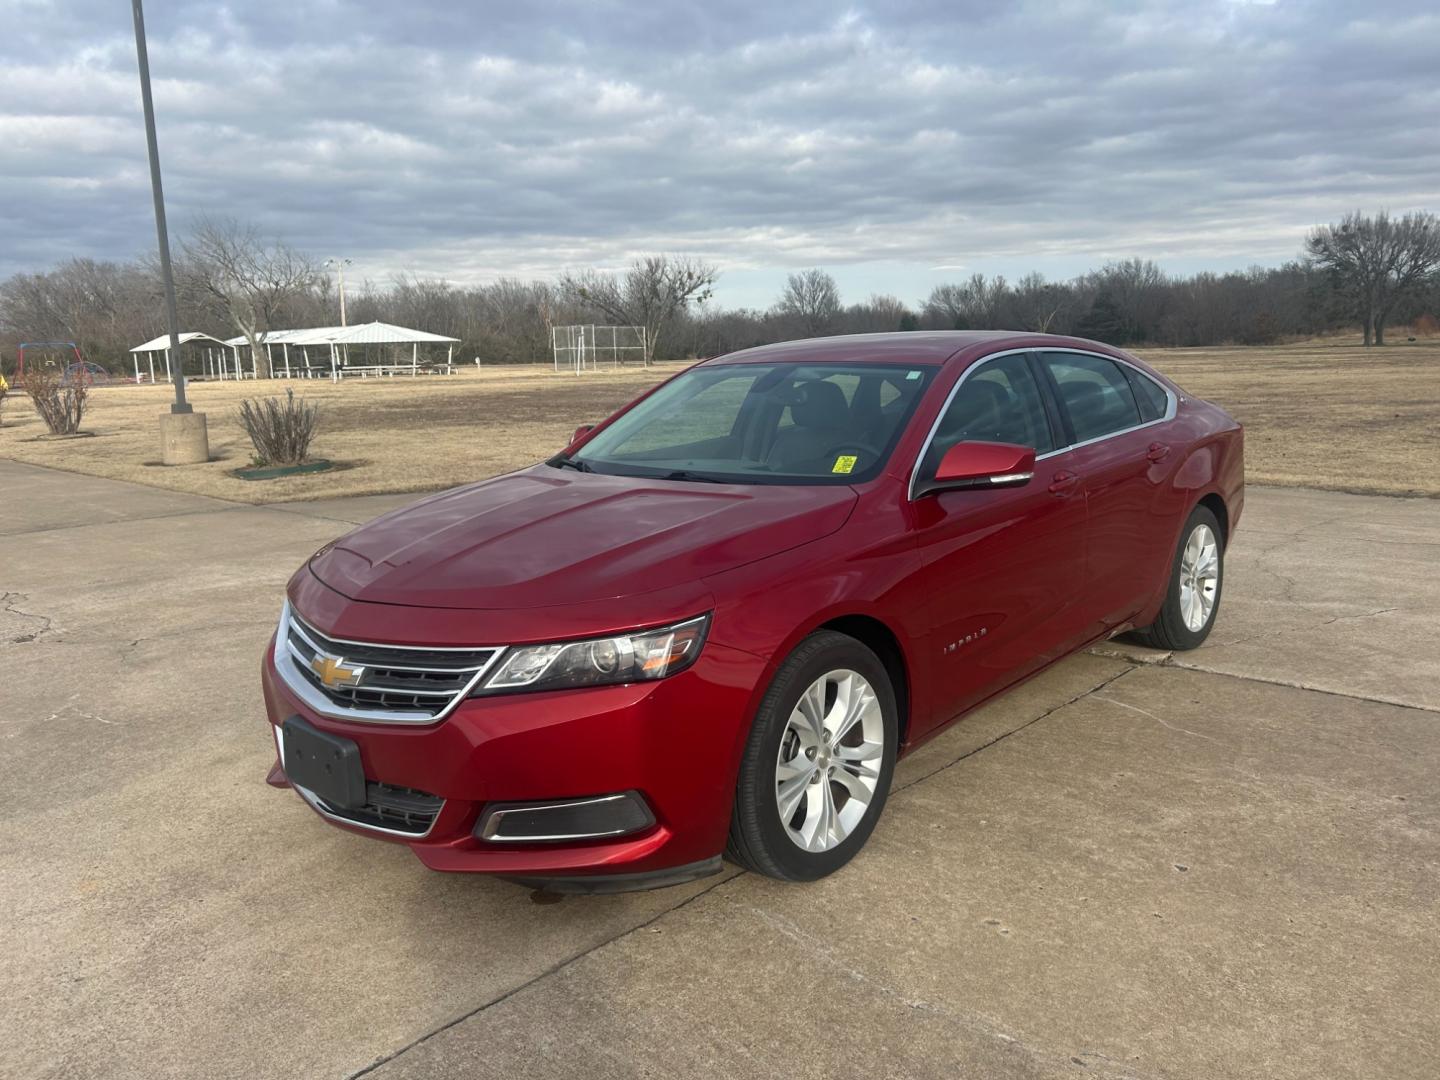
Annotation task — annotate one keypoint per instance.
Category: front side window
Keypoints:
(999, 401)
(761, 423)
(1094, 394)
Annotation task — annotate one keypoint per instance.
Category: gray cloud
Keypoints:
(473, 140)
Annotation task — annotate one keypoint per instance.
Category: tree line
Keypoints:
(1376, 271)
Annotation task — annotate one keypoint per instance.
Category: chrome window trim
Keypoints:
(318, 804)
(1172, 405)
(489, 831)
(297, 684)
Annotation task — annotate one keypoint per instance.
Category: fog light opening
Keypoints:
(594, 818)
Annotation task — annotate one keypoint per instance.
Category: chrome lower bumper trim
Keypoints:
(319, 806)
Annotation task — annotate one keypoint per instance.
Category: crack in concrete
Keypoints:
(1365, 615)
(554, 969)
(1228, 766)
(1396, 703)
(1159, 720)
(7, 603)
(1270, 635)
(64, 710)
(1283, 537)
(1287, 590)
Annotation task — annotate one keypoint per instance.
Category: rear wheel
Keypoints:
(1192, 598)
(817, 767)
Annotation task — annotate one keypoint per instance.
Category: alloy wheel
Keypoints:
(1199, 577)
(829, 760)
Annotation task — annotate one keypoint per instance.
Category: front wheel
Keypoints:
(1192, 598)
(818, 763)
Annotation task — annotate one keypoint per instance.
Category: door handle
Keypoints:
(1063, 483)
(1157, 452)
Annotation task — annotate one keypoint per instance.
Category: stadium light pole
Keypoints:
(183, 441)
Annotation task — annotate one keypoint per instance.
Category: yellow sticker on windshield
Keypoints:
(845, 463)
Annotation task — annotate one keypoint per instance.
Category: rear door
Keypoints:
(1121, 462)
(1001, 566)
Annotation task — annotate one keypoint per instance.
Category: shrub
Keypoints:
(280, 430)
(60, 404)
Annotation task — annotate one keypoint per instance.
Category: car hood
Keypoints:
(546, 537)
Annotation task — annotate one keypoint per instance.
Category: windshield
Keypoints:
(762, 423)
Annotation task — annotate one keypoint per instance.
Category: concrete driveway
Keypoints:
(1222, 864)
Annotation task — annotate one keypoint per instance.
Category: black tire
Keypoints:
(1170, 631)
(758, 838)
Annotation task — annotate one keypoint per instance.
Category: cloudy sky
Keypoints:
(898, 144)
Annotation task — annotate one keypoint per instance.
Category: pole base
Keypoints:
(184, 439)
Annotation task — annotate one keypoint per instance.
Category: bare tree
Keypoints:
(812, 299)
(1378, 261)
(881, 314)
(648, 294)
(511, 319)
(946, 308)
(104, 307)
(1138, 290)
(1041, 302)
(976, 304)
(252, 281)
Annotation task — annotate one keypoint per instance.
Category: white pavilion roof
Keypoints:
(162, 343)
(372, 333)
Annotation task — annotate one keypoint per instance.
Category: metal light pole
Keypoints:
(184, 438)
(181, 405)
(340, 265)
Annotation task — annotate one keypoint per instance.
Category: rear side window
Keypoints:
(1094, 393)
(1154, 402)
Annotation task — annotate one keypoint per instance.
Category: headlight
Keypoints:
(649, 654)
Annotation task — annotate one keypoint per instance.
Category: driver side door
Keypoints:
(1002, 566)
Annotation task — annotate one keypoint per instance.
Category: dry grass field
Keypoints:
(385, 435)
(1322, 414)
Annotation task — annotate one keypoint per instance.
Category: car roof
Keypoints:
(911, 347)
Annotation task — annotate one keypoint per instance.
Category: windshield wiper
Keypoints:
(569, 463)
(685, 474)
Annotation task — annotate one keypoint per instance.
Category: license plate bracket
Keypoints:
(326, 765)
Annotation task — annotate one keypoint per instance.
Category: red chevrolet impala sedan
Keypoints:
(713, 622)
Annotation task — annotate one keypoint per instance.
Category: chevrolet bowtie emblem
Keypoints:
(333, 672)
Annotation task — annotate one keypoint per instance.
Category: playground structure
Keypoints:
(64, 346)
(88, 372)
(580, 348)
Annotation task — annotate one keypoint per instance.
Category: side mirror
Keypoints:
(982, 465)
(581, 432)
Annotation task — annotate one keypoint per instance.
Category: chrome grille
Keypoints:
(391, 684)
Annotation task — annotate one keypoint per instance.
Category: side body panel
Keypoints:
(1002, 571)
(1133, 507)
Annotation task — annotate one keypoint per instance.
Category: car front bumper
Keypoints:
(675, 744)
